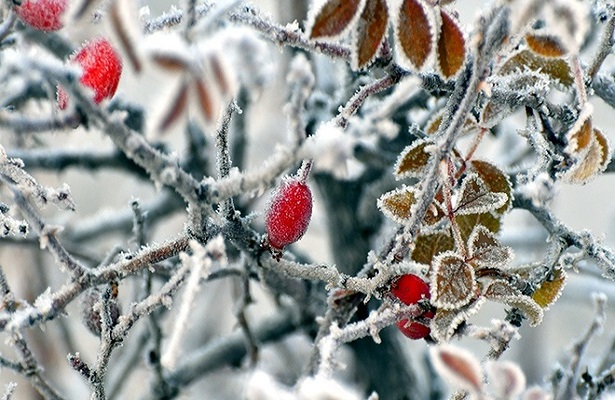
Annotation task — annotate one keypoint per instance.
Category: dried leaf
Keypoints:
(506, 378)
(119, 26)
(550, 290)
(603, 143)
(545, 44)
(452, 281)
(485, 250)
(415, 34)
(593, 161)
(397, 204)
(451, 46)
(459, 366)
(475, 197)
(467, 223)
(503, 292)
(557, 68)
(334, 18)
(176, 108)
(445, 322)
(413, 160)
(370, 32)
(426, 247)
(206, 102)
(496, 180)
(170, 62)
(434, 213)
(580, 134)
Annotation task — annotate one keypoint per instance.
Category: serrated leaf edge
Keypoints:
(471, 247)
(433, 283)
(403, 60)
(354, 62)
(500, 200)
(404, 153)
(316, 8)
(389, 214)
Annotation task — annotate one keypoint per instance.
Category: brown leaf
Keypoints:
(415, 34)
(119, 26)
(591, 163)
(580, 134)
(397, 204)
(452, 281)
(603, 143)
(496, 180)
(459, 366)
(206, 102)
(220, 75)
(485, 250)
(503, 292)
(176, 108)
(426, 247)
(550, 290)
(451, 46)
(413, 160)
(476, 198)
(370, 33)
(545, 44)
(334, 18)
(557, 68)
(170, 62)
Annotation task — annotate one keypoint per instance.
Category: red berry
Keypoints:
(45, 15)
(410, 289)
(288, 214)
(102, 68)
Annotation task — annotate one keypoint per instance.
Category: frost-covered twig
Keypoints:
(25, 125)
(603, 256)
(9, 389)
(579, 348)
(605, 45)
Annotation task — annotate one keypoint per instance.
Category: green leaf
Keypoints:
(427, 247)
(550, 290)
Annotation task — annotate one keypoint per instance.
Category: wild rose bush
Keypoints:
(212, 202)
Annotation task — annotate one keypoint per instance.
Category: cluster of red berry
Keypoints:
(99, 61)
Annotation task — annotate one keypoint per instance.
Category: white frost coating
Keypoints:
(263, 386)
(541, 190)
(331, 149)
(320, 388)
(44, 302)
(568, 20)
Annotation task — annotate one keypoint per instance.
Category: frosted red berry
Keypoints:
(101, 66)
(288, 213)
(45, 15)
(410, 289)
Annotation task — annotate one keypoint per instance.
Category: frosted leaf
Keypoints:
(486, 251)
(580, 134)
(332, 19)
(594, 160)
(433, 124)
(496, 180)
(452, 281)
(506, 378)
(370, 33)
(426, 247)
(545, 44)
(558, 69)
(458, 366)
(415, 34)
(503, 292)
(398, 204)
(413, 160)
(445, 322)
(451, 51)
(475, 198)
(551, 289)
(467, 223)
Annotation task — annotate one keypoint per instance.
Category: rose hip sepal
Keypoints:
(45, 15)
(410, 289)
(288, 213)
(102, 69)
